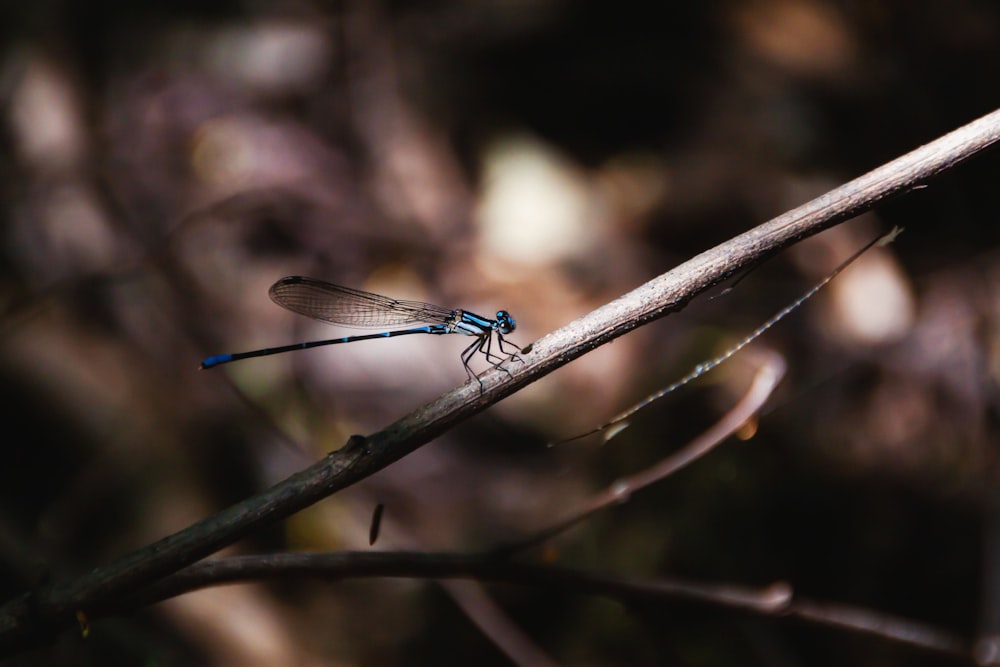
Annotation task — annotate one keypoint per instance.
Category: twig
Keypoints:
(36, 616)
(778, 599)
(771, 370)
(619, 422)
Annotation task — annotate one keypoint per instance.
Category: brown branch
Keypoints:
(35, 616)
(771, 370)
(776, 600)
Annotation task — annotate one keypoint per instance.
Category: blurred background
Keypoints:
(162, 166)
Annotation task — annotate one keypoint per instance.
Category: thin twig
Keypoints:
(619, 422)
(35, 617)
(768, 375)
(777, 599)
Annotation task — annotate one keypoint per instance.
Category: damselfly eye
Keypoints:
(505, 321)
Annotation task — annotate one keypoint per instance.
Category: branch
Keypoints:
(40, 614)
(776, 599)
(765, 381)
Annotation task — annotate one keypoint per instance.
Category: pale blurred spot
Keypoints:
(242, 151)
(237, 625)
(273, 58)
(417, 176)
(78, 231)
(804, 36)
(872, 301)
(63, 233)
(44, 114)
(537, 207)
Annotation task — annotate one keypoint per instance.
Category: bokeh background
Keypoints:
(162, 165)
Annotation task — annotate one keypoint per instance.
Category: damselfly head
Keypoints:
(505, 323)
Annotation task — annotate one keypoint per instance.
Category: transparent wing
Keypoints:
(348, 307)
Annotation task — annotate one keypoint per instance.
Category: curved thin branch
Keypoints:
(768, 375)
(35, 616)
(620, 421)
(777, 599)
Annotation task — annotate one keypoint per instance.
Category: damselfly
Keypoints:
(348, 307)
